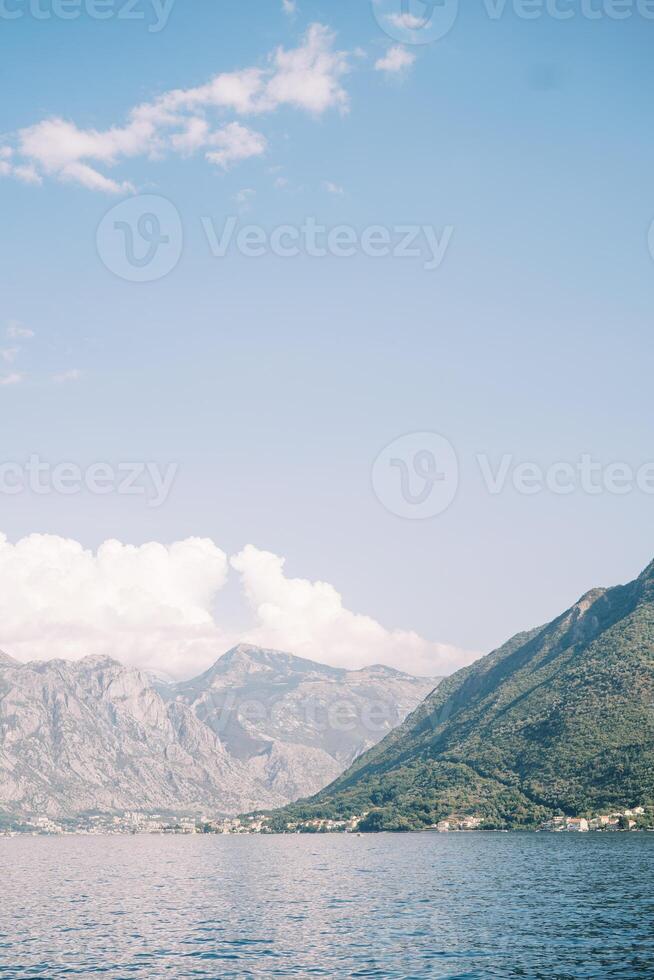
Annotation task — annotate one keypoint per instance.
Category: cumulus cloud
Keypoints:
(396, 59)
(147, 605)
(186, 121)
(234, 143)
(309, 619)
(154, 606)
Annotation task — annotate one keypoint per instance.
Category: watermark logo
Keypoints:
(425, 21)
(416, 21)
(141, 239)
(416, 476)
(650, 240)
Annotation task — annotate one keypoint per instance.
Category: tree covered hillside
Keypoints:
(560, 719)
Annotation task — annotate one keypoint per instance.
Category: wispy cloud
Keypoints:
(8, 355)
(289, 7)
(406, 21)
(333, 188)
(16, 331)
(397, 59)
(65, 377)
(183, 121)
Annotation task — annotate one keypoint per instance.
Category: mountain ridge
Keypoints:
(558, 718)
(97, 734)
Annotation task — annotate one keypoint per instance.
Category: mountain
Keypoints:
(97, 735)
(94, 735)
(297, 724)
(560, 719)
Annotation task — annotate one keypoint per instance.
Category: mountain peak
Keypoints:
(252, 658)
(556, 720)
(248, 651)
(100, 660)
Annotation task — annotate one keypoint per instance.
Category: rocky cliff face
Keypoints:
(295, 723)
(97, 735)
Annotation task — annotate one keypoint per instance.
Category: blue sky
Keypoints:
(274, 383)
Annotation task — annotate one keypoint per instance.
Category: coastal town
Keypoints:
(136, 822)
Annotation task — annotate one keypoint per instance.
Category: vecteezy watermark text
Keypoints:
(154, 12)
(149, 480)
(585, 475)
(319, 714)
(142, 238)
(318, 241)
(420, 22)
(417, 476)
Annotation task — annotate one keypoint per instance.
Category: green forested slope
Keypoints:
(559, 719)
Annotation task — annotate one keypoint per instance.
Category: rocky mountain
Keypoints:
(296, 724)
(97, 735)
(560, 719)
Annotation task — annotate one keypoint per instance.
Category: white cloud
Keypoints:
(23, 172)
(16, 331)
(67, 376)
(10, 379)
(406, 21)
(27, 174)
(289, 7)
(309, 619)
(9, 354)
(233, 143)
(154, 606)
(396, 59)
(182, 121)
(193, 137)
(309, 77)
(333, 188)
(93, 180)
(147, 605)
(244, 198)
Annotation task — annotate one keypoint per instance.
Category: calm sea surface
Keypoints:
(423, 905)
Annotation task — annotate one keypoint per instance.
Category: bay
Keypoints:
(473, 906)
